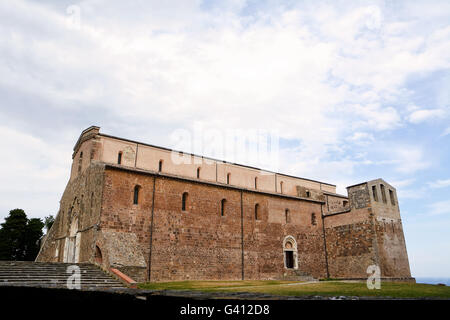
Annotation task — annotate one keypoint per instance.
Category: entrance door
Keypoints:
(289, 259)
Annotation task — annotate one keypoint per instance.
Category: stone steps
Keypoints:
(53, 275)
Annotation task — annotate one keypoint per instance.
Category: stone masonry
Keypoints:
(130, 206)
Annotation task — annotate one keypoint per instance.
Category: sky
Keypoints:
(353, 91)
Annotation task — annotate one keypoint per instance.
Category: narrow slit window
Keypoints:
(184, 201)
(222, 207)
(391, 196)
(383, 193)
(281, 186)
(136, 194)
(257, 211)
(160, 165)
(198, 173)
(119, 158)
(374, 193)
(256, 183)
(228, 178)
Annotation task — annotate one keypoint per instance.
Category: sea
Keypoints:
(431, 280)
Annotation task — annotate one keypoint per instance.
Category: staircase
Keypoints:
(53, 275)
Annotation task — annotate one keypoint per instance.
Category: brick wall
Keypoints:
(199, 243)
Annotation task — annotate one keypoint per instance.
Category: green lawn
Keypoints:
(323, 288)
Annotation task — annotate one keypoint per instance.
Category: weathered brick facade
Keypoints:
(163, 225)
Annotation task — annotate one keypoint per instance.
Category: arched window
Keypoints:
(228, 178)
(257, 212)
(287, 214)
(98, 255)
(136, 194)
(119, 158)
(184, 201)
(222, 207)
(160, 165)
(313, 219)
(198, 173)
(256, 183)
(281, 186)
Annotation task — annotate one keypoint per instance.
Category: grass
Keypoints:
(322, 288)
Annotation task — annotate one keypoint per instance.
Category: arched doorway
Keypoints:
(98, 255)
(290, 253)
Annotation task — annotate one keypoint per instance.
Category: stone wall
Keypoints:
(79, 213)
(370, 233)
(200, 243)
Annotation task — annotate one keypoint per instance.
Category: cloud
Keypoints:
(423, 115)
(410, 159)
(332, 77)
(439, 208)
(439, 184)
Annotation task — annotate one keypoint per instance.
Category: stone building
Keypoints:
(132, 206)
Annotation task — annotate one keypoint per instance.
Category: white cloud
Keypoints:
(439, 184)
(409, 159)
(423, 115)
(439, 208)
(33, 171)
(328, 76)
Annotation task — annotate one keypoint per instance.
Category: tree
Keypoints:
(19, 237)
(48, 222)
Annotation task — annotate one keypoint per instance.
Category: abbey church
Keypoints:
(128, 205)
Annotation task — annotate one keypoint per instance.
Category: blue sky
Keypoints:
(356, 90)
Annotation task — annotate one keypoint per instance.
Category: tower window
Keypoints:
(198, 173)
(308, 194)
(119, 158)
(345, 203)
(374, 193)
(228, 178)
(136, 194)
(383, 193)
(160, 165)
(184, 201)
(391, 195)
(222, 207)
(256, 183)
(281, 186)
